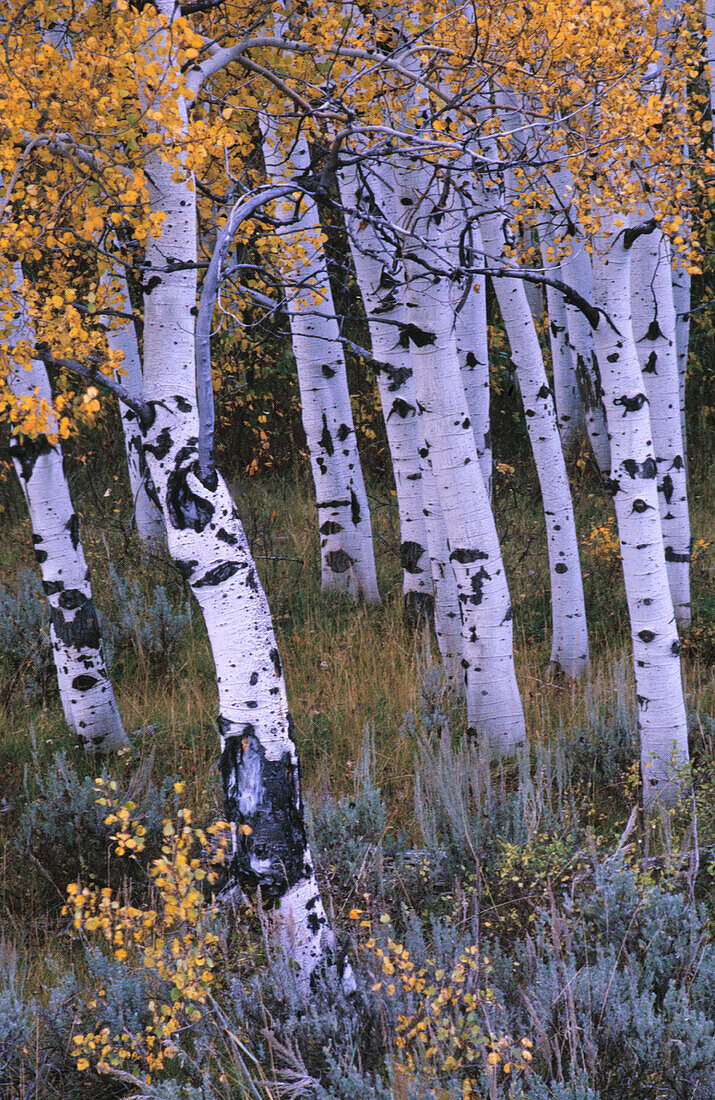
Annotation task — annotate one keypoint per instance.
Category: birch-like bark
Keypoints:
(569, 649)
(86, 691)
(681, 302)
(654, 328)
(380, 278)
(347, 554)
(469, 303)
(569, 410)
(661, 708)
(577, 272)
(147, 513)
(494, 707)
(259, 762)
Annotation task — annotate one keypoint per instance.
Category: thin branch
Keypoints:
(244, 208)
(93, 375)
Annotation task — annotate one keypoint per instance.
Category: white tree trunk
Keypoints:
(577, 272)
(469, 304)
(661, 709)
(147, 514)
(654, 329)
(347, 554)
(681, 302)
(380, 278)
(493, 704)
(86, 691)
(569, 409)
(259, 763)
(569, 649)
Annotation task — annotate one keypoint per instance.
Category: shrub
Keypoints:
(63, 829)
(150, 627)
(25, 643)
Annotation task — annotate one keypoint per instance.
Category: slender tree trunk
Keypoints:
(347, 554)
(493, 703)
(147, 513)
(654, 328)
(259, 762)
(380, 278)
(681, 302)
(86, 691)
(577, 272)
(661, 708)
(569, 650)
(569, 410)
(469, 304)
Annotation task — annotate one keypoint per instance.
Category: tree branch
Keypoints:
(93, 375)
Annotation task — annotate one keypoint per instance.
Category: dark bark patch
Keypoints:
(354, 508)
(333, 504)
(328, 372)
(640, 505)
(276, 660)
(509, 615)
(182, 404)
(263, 796)
(544, 392)
(40, 556)
(186, 509)
(326, 439)
(470, 360)
(330, 527)
(51, 588)
(672, 555)
(650, 367)
(646, 470)
(646, 635)
(397, 377)
(631, 404)
(419, 337)
(254, 679)
(26, 453)
(225, 536)
(410, 554)
(185, 568)
(465, 557)
(81, 631)
(72, 526)
(84, 682)
(401, 408)
(342, 433)
(162, 446)
(675, 648)
(218, 574)
(338, 561)
(418, 609)
(667, 488)
(560, 567)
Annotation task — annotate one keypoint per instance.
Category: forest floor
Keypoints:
(431, 864)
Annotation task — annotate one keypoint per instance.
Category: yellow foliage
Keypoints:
(171, 943)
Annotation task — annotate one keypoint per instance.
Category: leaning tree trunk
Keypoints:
(380, 278)
(147, 513)
(86, 692)
(569, 648)
(661, 708)
(494, 707)
(654, 329)
(347, 555)
(259, 761)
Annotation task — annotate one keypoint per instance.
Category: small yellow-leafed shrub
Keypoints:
(445, 1021)
(170, 943)
(602, 545)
